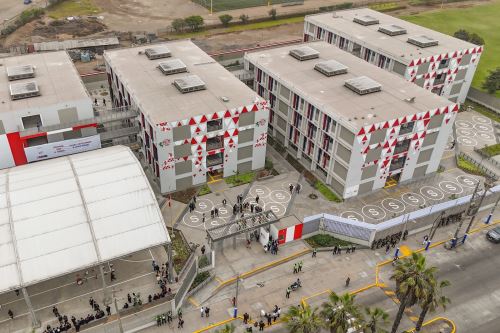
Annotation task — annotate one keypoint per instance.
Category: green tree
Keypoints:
(339, 312)
(434, 299)
(462, 34)
(374, 319)
(228, 328)
(244, 18)
(178, 24)
(492, 81)
(302, 319)
(476, 39)
(273, 13)
(225, 19)
(194, 22)
(412, 278)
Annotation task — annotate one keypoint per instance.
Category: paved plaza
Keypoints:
(474, 131)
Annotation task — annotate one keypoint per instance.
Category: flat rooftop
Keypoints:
(396, 46)
(329, 93)
(55, 75)
(160, 99)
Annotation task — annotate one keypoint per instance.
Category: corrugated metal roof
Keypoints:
(75, 44)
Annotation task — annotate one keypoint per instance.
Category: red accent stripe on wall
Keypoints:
(282, 236)
(297, 233)
(17, 148)
(36, 135)
(84, 126)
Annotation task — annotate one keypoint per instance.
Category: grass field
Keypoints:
(220, 5)
(483, 20)
(73, 8)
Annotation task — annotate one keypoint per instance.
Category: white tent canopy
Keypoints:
(65, 214)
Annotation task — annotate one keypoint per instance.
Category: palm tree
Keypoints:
(412, 278)
(376, 317)
(302, 319)
(228, 328)
(340, 313)
(434, 300)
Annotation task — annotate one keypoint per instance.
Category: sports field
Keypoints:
(483, 20)
(220, 5)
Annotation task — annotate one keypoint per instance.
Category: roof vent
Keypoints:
(363, 85)
(24, 90)
(173, 66)
(20, 72)
(422, 41)
(392, 30)
(331, 68)
(157, 52)
(189, 84)
(304, 53)
(365, 20)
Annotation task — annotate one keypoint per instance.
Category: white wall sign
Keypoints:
(62, 148)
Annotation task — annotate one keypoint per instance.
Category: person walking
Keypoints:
(257, 199)
(348, 249)
(202, 310)
(203, 249)
(129, 298)
(181, 323)
(335, 249)
(298, 188)
(347, 281)
(246, 316)
(339, 250)
(314, 253)
(295, 268)
(288, 291)
(207, 311)
(290, 187)
(11, 314)
(108, 310)
(300, 266)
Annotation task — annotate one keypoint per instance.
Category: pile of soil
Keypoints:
(77, 28)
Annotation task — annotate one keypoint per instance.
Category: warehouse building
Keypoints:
(440, 63)
(358, 127)
(45, 110)
(196, 118)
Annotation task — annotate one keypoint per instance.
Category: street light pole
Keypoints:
(486, 188)
(120, 326)
(490, 216)
(235, 314)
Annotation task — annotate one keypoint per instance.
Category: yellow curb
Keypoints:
(405, 250)
(314, 295)
(220, 323)
(262, 268)
(452, 324)
(219, 279)
(389, 292)
(193, 301)
(363, 289)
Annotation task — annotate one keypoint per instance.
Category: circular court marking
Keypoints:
(224, 212)
(373, 212)
(260, 190)
(467, 181)
(192, 220)
(464, 124)
(203, 205)
(430, 192)
(483, 127)
(466, 132)
(463, 140)
(277, 208)
(393, 205)
(352, 216)
(413, 199)
(280, 196)
(481, 120)
(451, 187)
(486, 136)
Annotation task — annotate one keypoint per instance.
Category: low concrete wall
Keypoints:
(486, 100)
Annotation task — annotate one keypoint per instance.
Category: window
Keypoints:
(402, 146)
(215, 142)
(214, 159)
(397, 163)
(32, 121)
(406, 128)
(214, 125)
(444, 63)
(440, 78)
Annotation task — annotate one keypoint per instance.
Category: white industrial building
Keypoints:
(45, 110)
(437, 62)
(74, 212)
(358, 127)
(195, 116)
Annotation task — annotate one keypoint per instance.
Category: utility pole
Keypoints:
(486, 188)
(467, 213)
(235, 314)
(120, 326)
(490, 216)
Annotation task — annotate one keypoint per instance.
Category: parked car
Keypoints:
(494, 235)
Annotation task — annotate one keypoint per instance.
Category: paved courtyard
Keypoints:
(474, 131)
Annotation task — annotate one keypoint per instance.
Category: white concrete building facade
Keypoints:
(437, 62)
(357, 127)
(196, 117)
(45, 110)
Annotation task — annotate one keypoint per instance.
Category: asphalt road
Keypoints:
(11, 8)
(474, 273)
